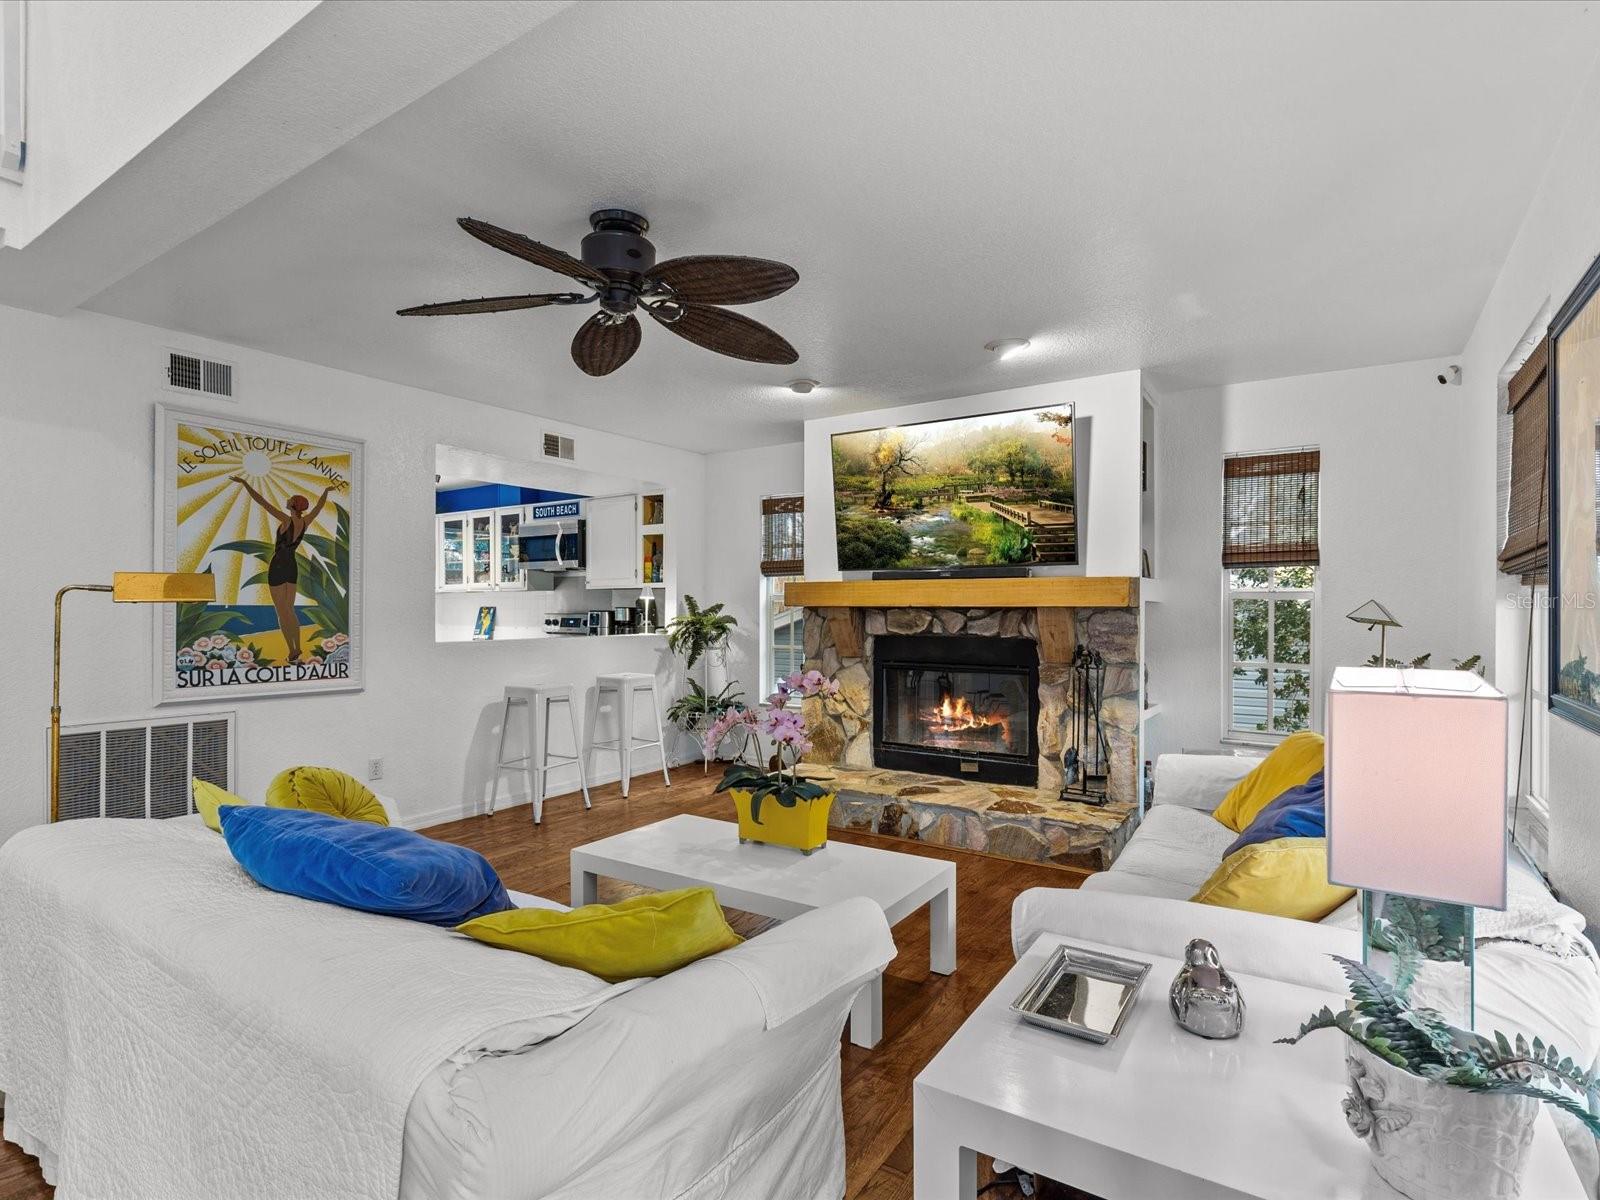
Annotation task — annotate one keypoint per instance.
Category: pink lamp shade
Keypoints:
(1416, 784)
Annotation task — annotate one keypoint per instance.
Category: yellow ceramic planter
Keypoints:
(803, 827)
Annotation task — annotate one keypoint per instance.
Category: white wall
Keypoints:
(1558, 240)
(76, 400)
(106, 78)
(1105, 424)
(1397, 474)
(736, 483)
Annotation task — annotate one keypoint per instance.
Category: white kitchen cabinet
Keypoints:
(507, 550)
(478, 551)
(480, 547)
(450, 563)
(613, 552)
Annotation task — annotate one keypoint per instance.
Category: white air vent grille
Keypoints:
(143, 768)
(556, 446)
(191, 373)
(216, 378)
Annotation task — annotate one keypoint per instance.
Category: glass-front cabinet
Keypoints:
(483, 552)
(478, 551)
(450, 572)
(506, 574)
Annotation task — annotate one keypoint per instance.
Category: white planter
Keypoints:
(1433, 1142)
(716, 669)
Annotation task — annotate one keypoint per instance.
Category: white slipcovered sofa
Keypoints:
(169, 1030)
(1536, 973)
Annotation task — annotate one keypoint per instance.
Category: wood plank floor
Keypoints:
(920, 1010)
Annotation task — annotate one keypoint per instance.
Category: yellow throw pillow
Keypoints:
(646, 935)
(1292, 761)
(325, 790)
(208, 797)
(1283, 878)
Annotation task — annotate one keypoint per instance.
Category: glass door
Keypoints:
(451, 574)
(507, 551)
(482, 566)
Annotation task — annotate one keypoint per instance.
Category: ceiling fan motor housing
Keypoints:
(618, 242)
(619, 248)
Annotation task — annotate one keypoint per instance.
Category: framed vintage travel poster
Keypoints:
(1574, 371)
(275, 514)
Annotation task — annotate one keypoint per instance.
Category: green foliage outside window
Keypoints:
(1275, 631)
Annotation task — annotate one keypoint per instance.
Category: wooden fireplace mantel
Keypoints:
(1057, 591)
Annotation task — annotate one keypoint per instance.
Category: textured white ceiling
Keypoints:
(1212, 192)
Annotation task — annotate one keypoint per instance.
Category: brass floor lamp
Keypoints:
(126, 587)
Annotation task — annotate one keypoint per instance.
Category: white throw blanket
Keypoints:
(1534, 916)
(167, 1025)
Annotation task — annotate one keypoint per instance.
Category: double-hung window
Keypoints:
(1270, 557)
(783, 635)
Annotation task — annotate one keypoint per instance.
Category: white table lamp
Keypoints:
(1416, 787)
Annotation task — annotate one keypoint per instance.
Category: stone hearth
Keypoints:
(1012, 822)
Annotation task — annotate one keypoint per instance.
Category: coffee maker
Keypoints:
(625, 619)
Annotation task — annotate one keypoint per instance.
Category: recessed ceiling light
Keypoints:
(1004, 348)
(801, 387)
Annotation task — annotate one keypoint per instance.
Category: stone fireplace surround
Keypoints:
(1013, 821)
(842, 727)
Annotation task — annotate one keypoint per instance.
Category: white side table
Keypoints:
(1158, 1111)
(772, 881)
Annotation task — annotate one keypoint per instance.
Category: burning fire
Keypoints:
(955, 715)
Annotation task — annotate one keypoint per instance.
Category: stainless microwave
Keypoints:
(552, 543)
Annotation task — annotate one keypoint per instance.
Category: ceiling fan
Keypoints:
(619, 265)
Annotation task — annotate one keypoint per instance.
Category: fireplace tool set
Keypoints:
(1086, 756)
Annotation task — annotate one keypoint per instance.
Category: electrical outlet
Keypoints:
(374, 769)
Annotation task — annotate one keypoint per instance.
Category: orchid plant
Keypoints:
(790, 738)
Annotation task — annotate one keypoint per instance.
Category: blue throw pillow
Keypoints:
(356, 864)
(1300, 812)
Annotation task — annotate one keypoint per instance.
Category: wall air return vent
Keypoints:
(201, 376)
(556, 446)
(142, 768)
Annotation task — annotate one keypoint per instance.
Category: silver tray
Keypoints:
(1082, 992)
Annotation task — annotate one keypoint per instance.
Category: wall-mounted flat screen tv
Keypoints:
(965, 492)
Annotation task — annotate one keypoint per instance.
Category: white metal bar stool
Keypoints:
(622, 688)
(536, 702)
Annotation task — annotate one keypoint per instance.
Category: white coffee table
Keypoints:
(1159, 1112)
(771, 881)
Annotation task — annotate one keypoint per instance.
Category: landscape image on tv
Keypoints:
(966, 492)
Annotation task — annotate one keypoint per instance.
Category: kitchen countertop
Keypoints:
(541, 635)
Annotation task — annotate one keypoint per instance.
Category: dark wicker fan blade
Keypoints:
(728, 333)
(600, 348)
(535, 252)
(489, 304)
(724, 279)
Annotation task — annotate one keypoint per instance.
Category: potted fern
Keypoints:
(700, 633)
(1448, 1113)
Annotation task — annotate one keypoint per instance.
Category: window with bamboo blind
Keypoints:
(783, 536)
(783, 557)
(1526, 551)
(1269, 509)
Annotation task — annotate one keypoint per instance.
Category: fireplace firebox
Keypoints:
(963, 706)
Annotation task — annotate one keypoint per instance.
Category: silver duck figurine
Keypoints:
(1204, 998)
